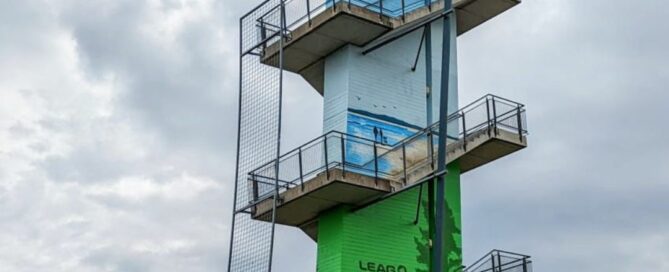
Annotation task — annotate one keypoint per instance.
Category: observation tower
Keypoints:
(380, 189)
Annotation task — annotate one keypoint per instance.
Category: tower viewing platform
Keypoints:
(380, 190)
(338, 168)
(317, 28)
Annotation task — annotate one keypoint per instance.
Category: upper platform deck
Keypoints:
(316, 28)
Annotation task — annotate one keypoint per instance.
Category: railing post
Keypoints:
(525, 264)
(284, 24)
(325, 148)
(380, 9)
(487, 109)
(404, 162)
(349, 4)
(492, 258)
(499, 262)
(299, 156)
(430, 146)
(255, 187)
(494, 116)
(403, 11)
(308, 11)
(520, 124)
(343, 157)
(263, 33)
(376, 165)
(464, 132)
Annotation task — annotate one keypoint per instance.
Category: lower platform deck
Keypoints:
(301, 206)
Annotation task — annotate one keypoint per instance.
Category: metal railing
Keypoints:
(352, 154)
(501, 261)
(300, 12)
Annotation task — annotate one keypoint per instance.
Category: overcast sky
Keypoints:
(118, 122)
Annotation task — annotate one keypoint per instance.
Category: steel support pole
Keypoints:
(438, 252)
(420, 199)
(430, 219)
(278, 138)
(428, 92)
(239, 125)
(429, 121)
(428, 74)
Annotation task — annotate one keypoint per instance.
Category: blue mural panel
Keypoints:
(391, 8)
(361, 153)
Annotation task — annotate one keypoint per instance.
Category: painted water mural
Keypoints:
(386, 134)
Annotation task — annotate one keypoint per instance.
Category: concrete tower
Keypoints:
(365, 190)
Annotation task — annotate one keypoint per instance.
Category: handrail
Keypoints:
(315, 140)
(458, 113)
(305, 10)
(496, 263)
(367, 154)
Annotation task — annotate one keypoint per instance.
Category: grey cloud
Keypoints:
(593, 178)
(181, 89)
(19, 130)
(117, 260)
(87, 164)
(170, 103)
(588, 194)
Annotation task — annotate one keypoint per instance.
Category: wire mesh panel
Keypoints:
(259, 129)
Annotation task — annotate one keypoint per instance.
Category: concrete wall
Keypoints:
(379, 91)
(335, 98)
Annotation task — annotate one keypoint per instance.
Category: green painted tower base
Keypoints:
(384, 236)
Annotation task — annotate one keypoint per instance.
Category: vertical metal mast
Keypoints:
(430, 122)
(428, 75)
(259, 135)
(239, 128)
(282, 31)
(442, 171)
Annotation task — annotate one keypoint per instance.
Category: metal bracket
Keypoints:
(403, 31)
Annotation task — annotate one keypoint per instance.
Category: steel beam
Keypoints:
(438, 252)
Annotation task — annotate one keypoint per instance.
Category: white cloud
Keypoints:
(84, 184)
(140, 188)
